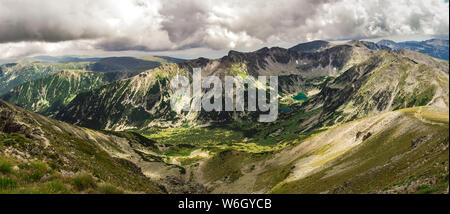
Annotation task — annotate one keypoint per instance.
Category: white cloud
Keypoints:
(48, 26)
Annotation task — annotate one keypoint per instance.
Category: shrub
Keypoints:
(83, 181)
(5, 167)
(37, 171)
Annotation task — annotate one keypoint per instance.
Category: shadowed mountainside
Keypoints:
(38, 153)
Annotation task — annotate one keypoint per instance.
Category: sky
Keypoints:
(206, 28)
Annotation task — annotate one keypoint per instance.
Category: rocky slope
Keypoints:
(354, 81)
(405, 151)
(37, 152)
(386, 81)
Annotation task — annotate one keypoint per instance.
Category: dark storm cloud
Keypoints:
(50, 21)
(201, 22)
(183, 19)
(120, 44)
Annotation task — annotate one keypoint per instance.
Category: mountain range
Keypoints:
(356, 117)
(45, 88)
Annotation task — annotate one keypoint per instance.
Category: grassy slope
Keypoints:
(387, 161)
(336, 161)
(50, 94)
(12, 76)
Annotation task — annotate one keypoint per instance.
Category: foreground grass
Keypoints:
(38, 178)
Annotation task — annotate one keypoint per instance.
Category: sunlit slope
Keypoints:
(404, 151)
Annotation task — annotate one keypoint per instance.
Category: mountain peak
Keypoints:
(232, 53)
(369, 45)
(263, 50)
(312, 46)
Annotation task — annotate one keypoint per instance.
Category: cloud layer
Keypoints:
(29, 26)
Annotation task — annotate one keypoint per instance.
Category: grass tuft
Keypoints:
(109, 189)
(56, 187)
(83, 181)
(8, 183)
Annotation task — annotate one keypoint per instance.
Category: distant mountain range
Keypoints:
(438, 48)
(13, 74)
(63, 59)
